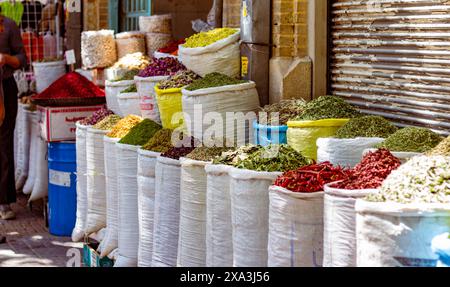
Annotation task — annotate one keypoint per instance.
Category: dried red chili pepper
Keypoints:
(311, 178)
(370, 173)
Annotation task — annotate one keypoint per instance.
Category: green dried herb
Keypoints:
(285, 110)
(328, 107)
(179, 80)
(411, 139)
(130, 89)
(207, 153)
(274, 158)
(213, 80)
(366, 127)
(107, 123)
(141, 133)
(234, 156)
(128, 76)
(160, 142)
(443, 149)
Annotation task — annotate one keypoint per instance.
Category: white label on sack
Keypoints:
(70, 57)
(59, 178)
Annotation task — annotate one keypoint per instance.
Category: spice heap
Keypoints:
(71, 85)
(442, 149)
(204, 39)
(172, 47)
(128, 76)
(179, 80)
(328, 107)
(206, 153)
(124, 126)
(181, 149)
(213, 80)
(96, 117)
(141, 133)
(234, 157)
(130, 89)
(411, 139)
(311, 178)
(370, 173)
(421, 180)
(274, 158)
(162, 67)
(107, 123)
(284, 110)
(366, 127)
(135, 61)
(160, 142)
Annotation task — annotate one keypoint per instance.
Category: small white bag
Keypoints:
(112, 91)
(249, 192)
(47, 73)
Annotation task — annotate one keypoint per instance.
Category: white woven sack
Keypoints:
(295, 228)
(40, 188)
(32, 166)
(98, 49)
(167, 212)
(26, 120)
(96, 182)
(110, 242)
(402, 156)
(146, 205)
(47, 73)
(344, 152)
(339, 238)
(222, 56)
(112, 91)
(242, 98)
(219, 239)
(129, 104)
(147, 94)
(249, 192)
(80, 225)
(127, 163)
(192, 236)
(391, 234)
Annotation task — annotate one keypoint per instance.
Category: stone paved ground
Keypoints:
(29, 243)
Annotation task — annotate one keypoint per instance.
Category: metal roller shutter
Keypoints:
(392, 58)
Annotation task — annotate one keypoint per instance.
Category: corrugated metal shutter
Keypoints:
(392, 58)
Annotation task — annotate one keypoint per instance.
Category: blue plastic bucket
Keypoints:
(267, 135)
(62, 188)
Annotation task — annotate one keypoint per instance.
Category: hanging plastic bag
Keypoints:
(219, 239)
(303, 135)
(249, 192)
(295, 228)
(167, 212)
(146, 208)
(110, 242)
(127, 163)
(23, 128)
(33, 146)
(40, 188)
(192, 236)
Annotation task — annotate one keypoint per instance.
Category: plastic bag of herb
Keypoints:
(284, 111)
(213, 80)
(234, 156)
(207, 153)
(411, 139)
(328, 107)
(160, 142)
(141, 133)
(107, 123)
(366, 127)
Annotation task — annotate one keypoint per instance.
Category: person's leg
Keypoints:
(7, 180)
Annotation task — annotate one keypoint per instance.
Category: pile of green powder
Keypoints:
(443, 149)
(366, 127)
(107, 123)
(213, 80)
(411, 139)
(141, 133)
(130, 89)
(160, 142)
(274, 158)
(285, 110)
(328, 107)
(234, 156)
(206, 153)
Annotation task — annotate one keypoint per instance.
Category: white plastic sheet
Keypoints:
(167, 212)
(127, 163)
(295, 228)
(192, 236)
(219, 239)
(249, 192)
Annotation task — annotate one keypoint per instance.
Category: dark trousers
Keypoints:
(7, 180)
